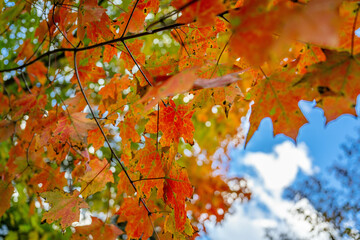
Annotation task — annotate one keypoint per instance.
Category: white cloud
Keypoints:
(275, 172)
(278, 170)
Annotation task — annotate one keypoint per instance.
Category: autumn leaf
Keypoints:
(178, 83)
(177, 189)
(203, 11)
(96, 138)
(311, 22)
(89, 12)
(335, 83)
(348, 40)
(7, 128)
(48, 179)
(98, 230)
(169, 84)
(65, 207)
(271, 100)
(6, 191)
(254, 26)
(183, 82)
(309, 56)
(73, 128)
(31, 104)
(169, 227)
(150, 168)
(137, 218)
(96, 177)
(174, 122)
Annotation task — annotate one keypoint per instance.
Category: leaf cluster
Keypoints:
(128, 108)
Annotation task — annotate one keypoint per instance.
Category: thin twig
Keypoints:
(53, 18)
(142, 73)
(170, 14)
(153, 227)
(88, 184)
(48, 53)
(218, 60)
(157, 128)
(262, 71)
(27, 151)
(137, 65)
(24, 80)
(104, 135)
(128, 22)
(182, 43)
(121, 39)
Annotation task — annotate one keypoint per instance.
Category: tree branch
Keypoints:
(103, 133)
(172, 26)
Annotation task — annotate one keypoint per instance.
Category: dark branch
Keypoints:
(103, 133)
(94, 46)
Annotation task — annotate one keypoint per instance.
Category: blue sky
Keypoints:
(322, 140)
(272, 163)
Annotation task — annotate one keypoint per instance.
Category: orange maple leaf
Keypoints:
(177, 189)
(96, 177)
(98, 230)
(174, 122)
(65, 207)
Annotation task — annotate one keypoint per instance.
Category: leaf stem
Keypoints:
(128, 22)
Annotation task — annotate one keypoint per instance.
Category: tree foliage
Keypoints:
(124, 107)
(333, 195)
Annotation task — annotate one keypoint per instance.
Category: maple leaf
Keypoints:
(73, 127)
(137, 218)
(65, 207)
(149, 165)
(31, 104)
(135, 49)
(177, 189)
(254, 26)
(174, 122)
(335, 83)
(89, 11)
(195, 48)
(178, 83)
(203, 11)
(98, 230)
(7, 128)
(95, 137)
(183, 82)
(348, 40)
(38, 72)
(128, 127)
(6, 191)
(96, 177)
(49, 179)
(199, 44)
(169, 227)
(305, 23)
(310, 55)
(137, 21)
(112, 93)
(257, 23)
(271, 100)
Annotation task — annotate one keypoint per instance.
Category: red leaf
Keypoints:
(98, 230)
(65, 207)
(96, 177)
(6, 191)
(138, 222)
(177, 189)
(174, 122)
